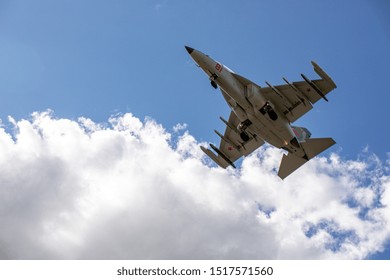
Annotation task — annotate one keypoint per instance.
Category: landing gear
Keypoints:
(267, 109)
(244, 136)
(272, 115)
(244, 125)
(213, 77)
(241, 127)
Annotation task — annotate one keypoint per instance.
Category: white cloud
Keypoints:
(180, 126)
(81, 190)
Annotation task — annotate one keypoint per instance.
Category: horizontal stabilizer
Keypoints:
(315, 146)
(289, 164)
(218, 160)
(312, 147)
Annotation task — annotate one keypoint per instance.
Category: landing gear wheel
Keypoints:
(244, 136)
(214, 84)
(272, 115)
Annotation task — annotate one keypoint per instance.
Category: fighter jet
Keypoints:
(265, 114)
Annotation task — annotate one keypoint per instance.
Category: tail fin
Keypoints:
(315, 146)
(301, 133)
(312, 147)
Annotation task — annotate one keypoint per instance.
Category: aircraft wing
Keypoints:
(295, 99)
(232, 147)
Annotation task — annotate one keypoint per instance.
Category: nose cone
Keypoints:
(189, 50)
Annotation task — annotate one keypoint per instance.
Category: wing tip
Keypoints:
(323, 74)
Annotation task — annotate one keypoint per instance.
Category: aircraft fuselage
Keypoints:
(258, 116)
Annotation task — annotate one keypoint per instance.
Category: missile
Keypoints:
(290, 84)
(275, 90)
(313, 86)
(229, 125)
(222, 155)
(298, 93)
(288, 103)
(227, 140)
(217, 160)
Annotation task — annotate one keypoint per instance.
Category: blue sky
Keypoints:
(97, 58)
(101, 58)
